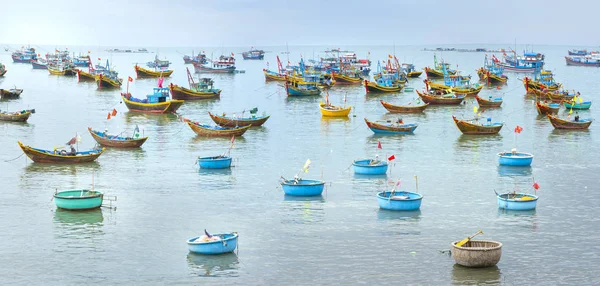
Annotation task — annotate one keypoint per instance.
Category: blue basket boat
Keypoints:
(303, 188)
(216, 162)
(399, 200)
(517, 201)
(78, 199)
(370, 167)
(515, 159)
(225, 243)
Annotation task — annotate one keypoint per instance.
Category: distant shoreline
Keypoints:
(478, 50)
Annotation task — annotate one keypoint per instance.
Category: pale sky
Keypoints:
(303, 22)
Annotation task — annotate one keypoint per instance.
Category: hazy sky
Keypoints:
(302, 22)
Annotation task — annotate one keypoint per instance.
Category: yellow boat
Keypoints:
(56, 70)
(269, 75)
(85, 76)
(414, 74)
(143, 72)
(105, 81)
(328, 110)
(374, 87)
(345, 79)
(466, 89)
(158, 102)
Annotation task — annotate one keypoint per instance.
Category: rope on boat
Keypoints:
(14, 158)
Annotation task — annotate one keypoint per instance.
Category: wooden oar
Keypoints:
(464, 241)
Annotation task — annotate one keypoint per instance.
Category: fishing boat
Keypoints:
(39, 64)
(200, 58)
(515, 158)
(157, 102)
(235, 121)
(576, 123)
(583, 105)
(60, 157)
(64, 69)
(473, 127)
(302, 187)
(10, 93)
(82, 61)
(24, 55)
(203, 89)
(17, 116)
(528, 63)
(576, 52)
(492, 73)
(542, 81)
(583, 61)
(85, 76)
(108, 79)
(216, 131)
(490, 102)
(544, 108)
(517, 201)
(2, 69)
(385, 83)
(215, 162)
(348, 77)
(400, 200)
(411, 71)
(328, 110)
(557, 96)
(409, 108)
(370, 167)
(389, 127)
(442, 97)
(280, 75)
(438, 69)
(219, 243)
(116, 141)
(477, 253)
(296, 86)
(78, 199)
(157, 72)
(158, 63)
(224, 64)
(253, 54)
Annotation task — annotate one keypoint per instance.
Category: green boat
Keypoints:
(78, 199)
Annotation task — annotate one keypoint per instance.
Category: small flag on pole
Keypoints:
(536, 186)
(72, 141)
(108, 117)
(391, 158)
(114, 112)
(379, 144)
(130, 79)
(518, 129)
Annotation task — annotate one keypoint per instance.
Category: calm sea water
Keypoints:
(339, 238)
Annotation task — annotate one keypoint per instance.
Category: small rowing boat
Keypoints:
(489, 102)
(78, 199)
(441, 97)
(216, 131)
(202, 89)
(409, 108)
(544, 108)
(10, 93)
(213, 244)
(157, 72)
(473, 127)
(390, 127)
(328, 110)
(568, 123)
(235, 121)
(18, 116)
(104, 139)
(60, 157)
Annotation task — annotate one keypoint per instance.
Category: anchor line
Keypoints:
(14, 158)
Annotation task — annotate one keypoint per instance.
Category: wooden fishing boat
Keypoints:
(370, 167)
(225, 64)
(476, 128)
(107, 140)
(62, 69)
(217, 131)
(385, 83)
(298, 87)
(467, 90)
(544, 108)
(441, 97)
(158, 102)
(302, 187)
(515, 158)
(334, 111)
(10, 93)
(490, 102)
(517, 201)
(491, 72)
(60, 157)
(477, 253)
(528, 63)
(157, 72)
(438, 69)
(233, 121)
(271, 75)
(414, 74)
(391, 127)
(543, 81)
(215, 244)
(19, 116)
(557, 96)
(78, 199)
(253, 54)
(55, 70)
(85, 76)
(107, 80)
(24, 55)
(39, 64)
(578, 105)
(399, 200)
(404, 108)
(215, 162)
(197, 90)
(560, 123)
(350, 77)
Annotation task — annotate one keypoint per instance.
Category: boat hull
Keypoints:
(517, 159)
(343, 79)
(292, 91)
(403, 108)
(106, 82)
(303, 188)
(363, 167)
(235, 122)
(571, 62)
(510, 201)
(477, 129)
(488, 103)
(440, 100)
(414, 74)
(108, 142)
(223, 162)
(44, 156)
(579, 106)
(477, 253)
(385, 129)
(375, 88)
(39, 66)
(544, 109)
(273, 76)
(85, 76)
(145, 73)
(15, 117)
(182, 93)
(73, 199)
(211, 132)
(227, 244)
(10, 94)
(340, 112)
(412, 201)
(559, 123)
(170, 106)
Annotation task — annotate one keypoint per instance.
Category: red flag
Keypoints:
(108, 117)
(130, 79)
(72, 141)
(114, 112)
(391, 158)
(160, 82)
(99, 59)
(518, 129)
(379, 144)
(536, 186)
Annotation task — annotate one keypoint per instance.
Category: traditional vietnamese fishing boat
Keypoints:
(18, 116)
(544, 108)
(556, 96)
(157, 72)
(440, 97)
(157, 102)
(81, 61)
(78, 199)
(491, 72)
(39, 64)
(197, 90)
(85, 76)
(390, 127)
(370, 167)
(25, 55)
(10, 93)
(108, 79)
(404, 108)
(2, 69)
(576, 123)
(543, 81)
(213, 244)
(583, 105)
(528, 63)
(583, 61)
(472, 127)
(235, 121)
(515, 158)
(253, 54)
(477, 253)
(295, 86)
(438, 69)
(104, 139)
(385, 83)
(576, 52)
(302, 187)
(328, 110)
(64, 69)
(489, 102)
(158, 63)
(60, 157)
(200, 58)
(411, 71)
(517, 201)
(280, 75)
(225, 64)
(216, 131)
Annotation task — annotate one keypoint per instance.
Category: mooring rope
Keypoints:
(14, 158)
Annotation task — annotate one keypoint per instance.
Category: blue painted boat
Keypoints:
(399, 201)
(370, 167)
(216, 162)
(576, 52)
(25, 55)
(78, 199)
(303, 188)
(517, 201)
(390, 127)
(578, 105)
(515, 159)
(224, 243)
(39, 65)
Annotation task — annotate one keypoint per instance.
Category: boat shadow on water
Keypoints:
(302, 210)
(505, 212)
(224, 265)
(514, 171)
(149, 118)
(385, 215)
(72, 169)
(84, 217)
(462, 275)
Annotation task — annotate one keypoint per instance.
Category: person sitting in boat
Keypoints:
(513, 151)
(73, 152)
(400, 121)
(375, 161)
(576, 117)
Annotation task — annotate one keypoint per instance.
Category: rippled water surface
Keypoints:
(341, 237)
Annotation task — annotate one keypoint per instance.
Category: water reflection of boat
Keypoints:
(475, 276)
(395, 215)
(303, 210)
(215, 172)
(505, 212)
(88, 217)
(514, 171)
(225, 265)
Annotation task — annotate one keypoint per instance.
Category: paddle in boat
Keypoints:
(222, 161)
(203, 89)
(329, 110)
(157, 102)
(514, 158)
(240, 120)
(400, 200)
(389, 127)
(211, 244)
(568, 123)
(440, 97)
(516, 201)
(78, 199)
(10, 93)
(155, 72)
(117, 141)
(490, 102)
(408, 108)
(302, 187)
(544, 107)
(474, 127)
(62, 156)
(17, 116)
(214, 131)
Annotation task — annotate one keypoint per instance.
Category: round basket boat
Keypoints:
(227, 242)
(517, 201)
(303, 188)
(369, 167)
(515, 159)
(217, 162)
(399, 200)
(477, 253)
(78, 199)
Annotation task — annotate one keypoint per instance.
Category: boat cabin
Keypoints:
(161, 94)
